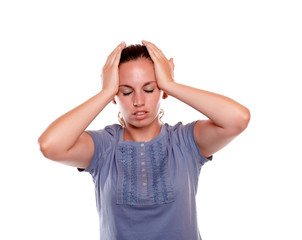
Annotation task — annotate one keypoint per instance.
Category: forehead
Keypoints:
(136, 73)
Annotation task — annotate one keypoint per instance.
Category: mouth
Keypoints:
(139, 115)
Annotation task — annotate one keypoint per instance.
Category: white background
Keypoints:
(51, 56)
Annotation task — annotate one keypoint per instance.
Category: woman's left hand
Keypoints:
(164, 68)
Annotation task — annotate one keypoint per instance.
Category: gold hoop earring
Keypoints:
(121, 120)
(161, 114)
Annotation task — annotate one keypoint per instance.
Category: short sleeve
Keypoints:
(185, 137)
(103, 146)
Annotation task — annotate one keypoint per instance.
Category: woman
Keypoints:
(145, 172)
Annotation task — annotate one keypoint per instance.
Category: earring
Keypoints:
(121, 120)
(161, 114)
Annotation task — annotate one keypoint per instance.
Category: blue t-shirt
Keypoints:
(147, 190)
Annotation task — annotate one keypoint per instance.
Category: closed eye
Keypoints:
(127, 93)
(149, 91)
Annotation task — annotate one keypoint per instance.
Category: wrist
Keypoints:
(108, 93)
(168, 87)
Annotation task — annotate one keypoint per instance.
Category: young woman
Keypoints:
(145, 172)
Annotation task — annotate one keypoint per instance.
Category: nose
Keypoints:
(138, 99)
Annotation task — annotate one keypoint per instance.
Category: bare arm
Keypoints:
(227, 118)
(65, 140)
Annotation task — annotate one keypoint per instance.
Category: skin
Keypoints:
(139, 93)
(129, 85)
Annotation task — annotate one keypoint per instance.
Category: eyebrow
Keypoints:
(128, 86)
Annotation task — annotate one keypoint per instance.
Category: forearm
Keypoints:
(63, 133)
(223, 111)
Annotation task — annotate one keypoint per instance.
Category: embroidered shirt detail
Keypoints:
(133, 176)
(153, 161)
(143, 179)
(126, 177)
(161, 169)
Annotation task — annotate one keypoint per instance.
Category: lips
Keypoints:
(139, 115)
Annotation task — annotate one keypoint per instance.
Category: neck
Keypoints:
(142, 134)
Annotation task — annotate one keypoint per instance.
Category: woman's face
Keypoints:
(138, 96)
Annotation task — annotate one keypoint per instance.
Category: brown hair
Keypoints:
(134, 52)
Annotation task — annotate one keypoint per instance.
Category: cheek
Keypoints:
(155, 100)
(124, 104)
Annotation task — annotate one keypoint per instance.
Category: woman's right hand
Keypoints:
(110, 75)
(65, 140)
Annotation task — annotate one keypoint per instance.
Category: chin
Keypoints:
(142, 124)
(138, 125)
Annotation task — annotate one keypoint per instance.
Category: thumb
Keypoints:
(171, 63)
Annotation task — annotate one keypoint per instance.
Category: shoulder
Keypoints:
(182, 137)
(110, 132)
(113, 130)
(181, 132)
(180, 128)
(104, 141)
(179, 125)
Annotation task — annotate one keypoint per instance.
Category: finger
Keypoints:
(171, 62)
(152, 54)
(171, 66)
(118, 54)
(156, 51)
(112, 56)
(152, 50)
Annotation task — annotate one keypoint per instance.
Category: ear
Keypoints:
(165, 95)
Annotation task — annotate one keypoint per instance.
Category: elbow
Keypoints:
(246, 118)
(243, 120)
(46, 148)
(240, 122)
